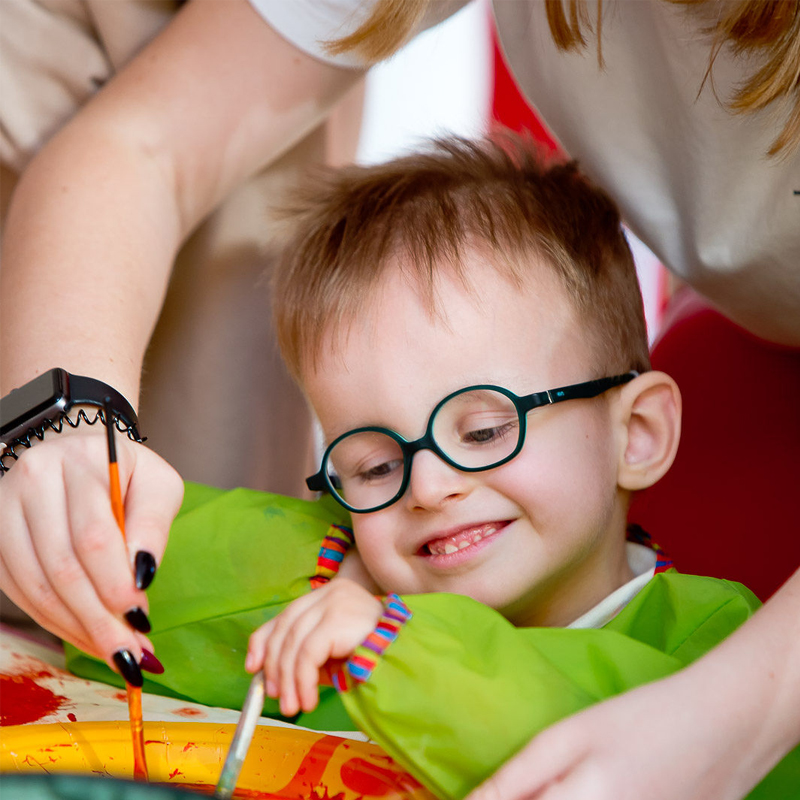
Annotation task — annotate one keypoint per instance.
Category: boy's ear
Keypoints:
(651, 408)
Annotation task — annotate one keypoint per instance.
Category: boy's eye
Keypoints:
(488, 435)
(379, 471)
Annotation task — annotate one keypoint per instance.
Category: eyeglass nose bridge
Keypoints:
(410, 449)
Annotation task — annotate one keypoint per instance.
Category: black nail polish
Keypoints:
(145, 569)
(137, 619)
(128, 668)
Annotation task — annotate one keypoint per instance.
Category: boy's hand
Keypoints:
(328, 623)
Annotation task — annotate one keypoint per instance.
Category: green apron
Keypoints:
(460, 690)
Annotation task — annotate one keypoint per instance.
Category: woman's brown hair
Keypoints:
(766, 29)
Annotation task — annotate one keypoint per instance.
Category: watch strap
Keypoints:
(90, 391)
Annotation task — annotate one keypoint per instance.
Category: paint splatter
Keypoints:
(369, 779)
(72, 718)
(309, 773)
(25, 701)
(189, 712)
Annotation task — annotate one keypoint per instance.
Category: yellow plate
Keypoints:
(281, 762)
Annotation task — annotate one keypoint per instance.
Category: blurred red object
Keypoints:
(729, 505)
(511, 110)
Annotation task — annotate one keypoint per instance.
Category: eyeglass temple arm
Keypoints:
(587, 389)
(316, 483)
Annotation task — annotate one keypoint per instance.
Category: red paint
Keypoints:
(25, 701)
(311, 768)
(189, 746)
(369, 779)
(121, 696)
(189, 712)
(174, 773)
(239, 794)
(72, 718)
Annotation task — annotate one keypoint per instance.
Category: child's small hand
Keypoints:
(328, 623)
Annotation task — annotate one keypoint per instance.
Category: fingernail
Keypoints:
(128, 668)
(137, 619)
(150, 663)
(145, 569)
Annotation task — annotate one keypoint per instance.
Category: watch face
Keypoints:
(42, 398)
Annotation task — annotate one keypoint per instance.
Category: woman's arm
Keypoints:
(94, 225)
(714, 729)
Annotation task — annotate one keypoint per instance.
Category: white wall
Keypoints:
(439, 83)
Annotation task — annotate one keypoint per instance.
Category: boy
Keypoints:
(468, 327)
(473, 266)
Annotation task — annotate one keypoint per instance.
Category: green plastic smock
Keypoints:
(460, 690)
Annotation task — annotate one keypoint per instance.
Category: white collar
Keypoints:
(642, 561)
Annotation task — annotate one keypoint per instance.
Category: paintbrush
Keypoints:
(240, 744)
(134, 692)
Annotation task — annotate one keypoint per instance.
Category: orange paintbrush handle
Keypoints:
(134, 692)
(116, 496)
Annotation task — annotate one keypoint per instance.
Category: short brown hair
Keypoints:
(427, 209)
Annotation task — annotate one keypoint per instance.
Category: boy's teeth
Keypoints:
(441, 547)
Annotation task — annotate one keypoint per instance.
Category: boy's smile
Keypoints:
(446, 549)
(540, 538)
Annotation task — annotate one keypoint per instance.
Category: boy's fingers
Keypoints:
(257, 647)
(287, 661)
(280, 628)
(312, 655)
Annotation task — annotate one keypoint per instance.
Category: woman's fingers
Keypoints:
(153, 497)
(62, 622)
(535, 771)
(64, 559)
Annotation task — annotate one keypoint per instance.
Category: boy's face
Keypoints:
(544, 532)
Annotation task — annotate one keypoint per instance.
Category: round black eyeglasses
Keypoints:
(473, 429)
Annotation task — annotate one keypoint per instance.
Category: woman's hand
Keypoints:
(292, 648)
(715, 729)
(63, 559)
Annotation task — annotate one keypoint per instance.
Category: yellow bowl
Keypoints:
(281, 762)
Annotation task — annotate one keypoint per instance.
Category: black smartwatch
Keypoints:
(50, 396)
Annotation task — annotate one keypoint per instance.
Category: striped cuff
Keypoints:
(332, 551)
(360, 665)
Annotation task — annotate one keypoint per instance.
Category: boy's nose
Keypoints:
(433, 482)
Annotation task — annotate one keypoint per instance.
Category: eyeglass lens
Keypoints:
(474, 429)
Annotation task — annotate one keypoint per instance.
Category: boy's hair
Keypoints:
(425, 211)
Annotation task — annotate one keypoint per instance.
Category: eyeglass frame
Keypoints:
(321, 480)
